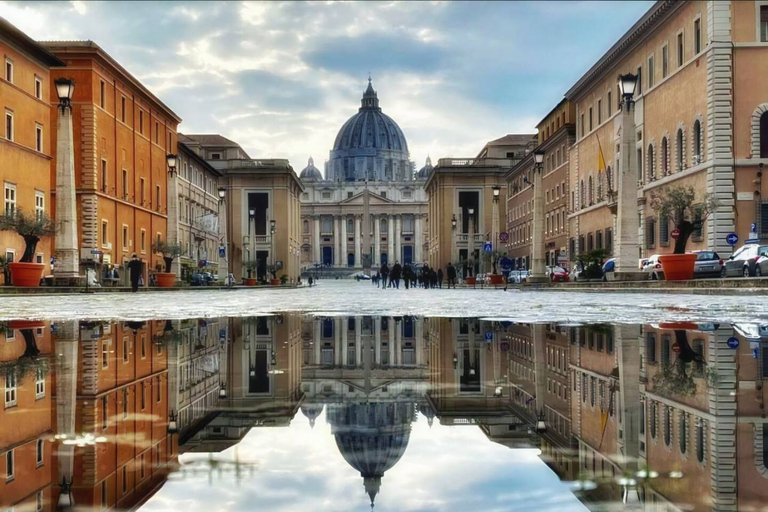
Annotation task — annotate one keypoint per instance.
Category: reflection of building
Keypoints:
(369, 373)
(368, 179)
(198, 210)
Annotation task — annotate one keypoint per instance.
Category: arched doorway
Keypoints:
(350, 260)
(328, 256)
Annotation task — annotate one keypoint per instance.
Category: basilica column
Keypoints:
(391, 348)
(344, 342)
(377, 339)
(358, 341)
(337, 342)
(419, 237)
(398, 237)
(419, 340)
(399, 343)
(316, 249)
(358, 237)
(338, 236)
(317, 346)
(376, 240)
(390, 240)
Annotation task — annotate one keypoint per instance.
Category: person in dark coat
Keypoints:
(451, 273)
(394, 275)
(134, 272)
(440, 278)
(384, 274)
(407, 276)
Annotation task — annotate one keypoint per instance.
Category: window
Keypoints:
(697, 36)
(125, 479)
(654, 419)
(10, 199)
(590, 119)
(700, 441)
(667, 426)
(763, 25)
(9, 70)
(215, 156)
(39, 204)
(39, 383)
(680, 160)
(651, 163)
(682, 433)
(639, 86)
(651, 71)
(39, 138)
(663, 230)
(609, 240)
(125, 184)
(680, 50)
(157, 132)
(125, 237)
(9, 465)
(664, 61)
(125, 350)
(9, 125)
(141, 122)
(697, 149)
(39, 452)
(103, 175)
(122, 109)
(39, 501)
(157, 197)
(142, 183)
(104, 233)
(143, 238)
(610, 107)
(650, 233)
(581, 125)
(103, 494)
(38, 88)
(10, 388)
(102, 94)
(664, 157)
(599, 112)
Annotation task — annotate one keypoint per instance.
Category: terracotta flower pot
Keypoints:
(274, 282)
(687, 326)
(496, 278)
(251, 281)
(26, 274)
(471, 281)
(678, 267)
(165, 279)
(25, 324)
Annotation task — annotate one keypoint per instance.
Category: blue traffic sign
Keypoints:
(488, 247)
(733, 342)
(753, 227)
(732, 238)
(222, 251)
(488, 336)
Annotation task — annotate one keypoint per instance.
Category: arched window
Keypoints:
(683, 432)
(697, 149)
(600, 188)
(350, 226)
(667, 426)
(654, 419)
(664, 157)
(764, 135)
(765, 443)
(583, 191)
(651, 163)
(306, 227)
(679, 161)
(700, 441)
(591, 192)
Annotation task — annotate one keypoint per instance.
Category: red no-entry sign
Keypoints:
(675, 233)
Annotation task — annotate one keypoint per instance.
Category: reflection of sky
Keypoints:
(444, 468)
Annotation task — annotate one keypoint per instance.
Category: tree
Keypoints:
(250, 266)
(30, 227)
(678, 205)
(169, 251)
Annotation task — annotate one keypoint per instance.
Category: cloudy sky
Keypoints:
(280, 78)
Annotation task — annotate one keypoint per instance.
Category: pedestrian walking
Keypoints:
(440, 278)
(395, 274)
(134, 271)
(506, 266)
(384, 274)
(451, 273)
(311, 281)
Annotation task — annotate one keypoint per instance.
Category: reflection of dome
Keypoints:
(310, 172)
(425, 171)
(312, 411)
(428, 413)
(370, 145)
(372, 437)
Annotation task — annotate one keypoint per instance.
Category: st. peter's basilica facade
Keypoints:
(369, 182)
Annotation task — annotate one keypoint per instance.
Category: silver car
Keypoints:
(749, 260)
(652, 266)
(708, 264)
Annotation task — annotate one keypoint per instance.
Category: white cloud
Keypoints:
(79, 7)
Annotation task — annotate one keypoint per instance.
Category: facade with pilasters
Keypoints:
(369, 183)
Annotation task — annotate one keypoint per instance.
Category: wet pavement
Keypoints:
(342, 412)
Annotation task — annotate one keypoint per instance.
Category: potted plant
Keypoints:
(272, 269)
(250, 266)
(494, 277)
(169, 251)
(31, 228)
(283, 279)
(470, 278)
(678, 205)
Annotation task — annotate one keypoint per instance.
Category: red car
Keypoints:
(558, 275)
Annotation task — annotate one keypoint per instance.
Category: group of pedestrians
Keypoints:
(413, 277)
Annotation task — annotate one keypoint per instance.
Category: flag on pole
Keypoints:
(600, 157)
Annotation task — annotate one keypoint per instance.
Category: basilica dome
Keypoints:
(370, 146)
(310, 172)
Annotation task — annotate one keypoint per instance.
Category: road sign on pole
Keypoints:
(488, 247)
(488, 336)
(733, 342)
(675, 234)
(731, 238)
(504, 236)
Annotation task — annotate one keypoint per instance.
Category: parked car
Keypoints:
(708, 264)
(576, 273)
(748, 260)
(652, 267)
(608, 266)
(517, 276)
(558, 274)
(201, 279)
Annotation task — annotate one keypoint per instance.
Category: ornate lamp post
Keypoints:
(67, 268)
(172, 229)
(272, 230)
(223, 238)
(495, 221)
(538, 266)
(471, 241)
(627, 243)
(453, 239)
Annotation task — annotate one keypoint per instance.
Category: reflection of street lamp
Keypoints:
(274, 359)
(455, 360)
(66, 500)
(541, 425)
(173, 427)
(453, 222)
(497, 392)
(222, 391)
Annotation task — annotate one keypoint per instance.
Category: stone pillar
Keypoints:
(344, 342)
(316, 240)
(419, 340)
(338, 240)
(628, 352)
(223, 237)
(538, 263)
(67, 266)
(358, 341)
(337, 341)
(377, 240)
(398, 238)
(391, 343)
(66, 348)
(390, 240)
(358, 242)
(627, 241)
(318, 342)
(540, 364)
(172, 224)
(398, 343)
(419, 238)
(377, 339)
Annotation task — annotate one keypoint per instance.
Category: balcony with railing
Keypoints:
(265, 164)
(478, 162)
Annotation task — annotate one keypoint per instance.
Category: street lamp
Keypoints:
(471, 211)
(170, 159)
(538, 158)
(496, 192)
(222, 193)
(65, 88)
(541, 425)
(627, 85)
(497, 392)
(272, 224)
(453, 222)
(222, 391)
(455, 360)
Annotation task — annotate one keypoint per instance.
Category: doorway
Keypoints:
(328, 256)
